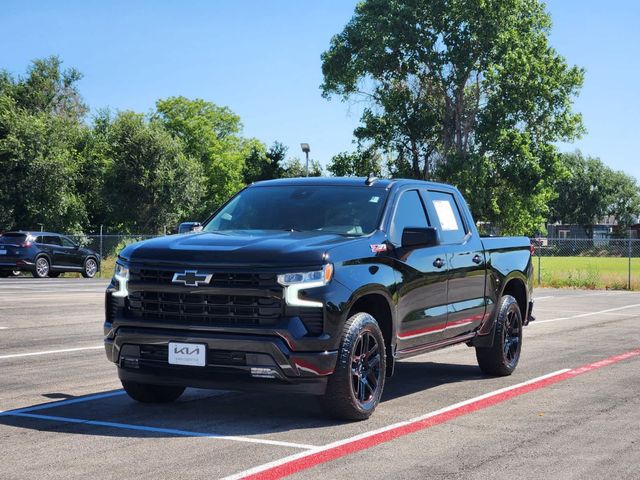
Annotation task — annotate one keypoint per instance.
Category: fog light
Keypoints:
(263, 372)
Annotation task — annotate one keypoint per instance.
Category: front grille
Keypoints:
(205, 310)
(219, 279)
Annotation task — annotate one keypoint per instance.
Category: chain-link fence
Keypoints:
(587, 263)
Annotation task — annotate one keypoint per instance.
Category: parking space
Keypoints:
(570, 410)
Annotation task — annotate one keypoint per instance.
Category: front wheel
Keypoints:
(148, 393)
(355, 387)
(502, 358)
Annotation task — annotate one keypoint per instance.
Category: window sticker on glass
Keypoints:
(374, 199)
(446, 216)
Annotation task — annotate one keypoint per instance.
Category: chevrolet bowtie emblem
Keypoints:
(191, 278)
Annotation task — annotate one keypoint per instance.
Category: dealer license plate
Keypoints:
(193, 354)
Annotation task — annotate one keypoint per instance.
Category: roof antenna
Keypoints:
(371, 178)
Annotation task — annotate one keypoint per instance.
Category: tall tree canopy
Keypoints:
(149, 182)
(41, 143)
(211, 134)
(465, 91)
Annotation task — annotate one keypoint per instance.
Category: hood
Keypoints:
(237, 248)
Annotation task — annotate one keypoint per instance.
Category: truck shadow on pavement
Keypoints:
(219, 413)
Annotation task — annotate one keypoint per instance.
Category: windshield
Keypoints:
(330, 209)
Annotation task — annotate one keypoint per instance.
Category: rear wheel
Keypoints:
(148, 393)
(502, 358)
(355, 387)
(42, 268)
(90, 268)
(15, 273)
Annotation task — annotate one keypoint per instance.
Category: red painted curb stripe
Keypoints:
(358, 444)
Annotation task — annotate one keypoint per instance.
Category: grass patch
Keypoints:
(587, 272)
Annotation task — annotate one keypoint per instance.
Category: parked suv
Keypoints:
(45, 254)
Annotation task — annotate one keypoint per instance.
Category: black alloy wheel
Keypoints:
(365, 369)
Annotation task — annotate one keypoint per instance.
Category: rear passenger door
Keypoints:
(422, 279)
(466, 301)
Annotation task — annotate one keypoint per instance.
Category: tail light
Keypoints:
(26, 244)
(532, 249)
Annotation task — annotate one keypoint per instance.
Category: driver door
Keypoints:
(421, 279)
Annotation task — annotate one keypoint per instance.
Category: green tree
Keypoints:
(264, 164)
(294, 168)
(150, 183)
(356, 164)
(624, 201)
(591, 190)
(41, 142)
(211, 134)
(464, 91)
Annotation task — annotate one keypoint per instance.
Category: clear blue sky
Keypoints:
(262, 59)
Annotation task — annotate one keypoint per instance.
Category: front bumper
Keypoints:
(235, 362)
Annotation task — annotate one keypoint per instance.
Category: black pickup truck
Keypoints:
(318, 286)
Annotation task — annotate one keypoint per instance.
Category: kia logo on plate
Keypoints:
(185, 351)
(191, 278)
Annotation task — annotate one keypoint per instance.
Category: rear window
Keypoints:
(10, 236)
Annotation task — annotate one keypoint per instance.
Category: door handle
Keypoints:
(438, 263)
(477, 259)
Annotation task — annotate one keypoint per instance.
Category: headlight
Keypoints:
(121, 274)
(294, 282)
(323, 276)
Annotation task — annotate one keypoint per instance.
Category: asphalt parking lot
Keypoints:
(571, 410)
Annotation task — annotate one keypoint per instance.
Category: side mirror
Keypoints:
(186, 227)
(420, 237)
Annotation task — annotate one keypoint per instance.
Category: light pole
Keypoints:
(306, 150)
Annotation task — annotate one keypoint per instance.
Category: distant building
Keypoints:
(600, 231)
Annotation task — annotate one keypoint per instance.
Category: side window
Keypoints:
(50, 240)
(39, 239)
(66, 242)
(447, 214)
(409, 213)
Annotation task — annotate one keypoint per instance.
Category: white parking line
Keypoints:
(582, 315)
(48, 352)
(26, 412)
